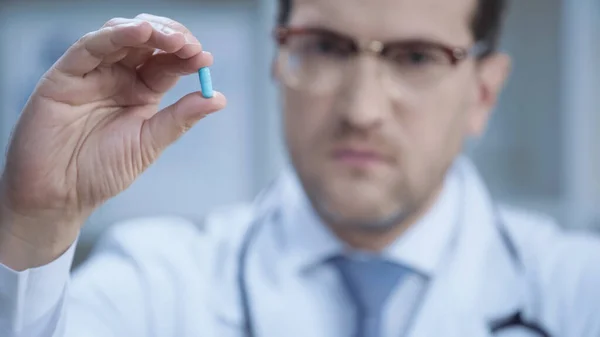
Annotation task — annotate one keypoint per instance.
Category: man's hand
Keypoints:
(91, 127)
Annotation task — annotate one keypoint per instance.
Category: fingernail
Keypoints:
(165, 29)
(169, 31)
(190, 39)
(207, 53)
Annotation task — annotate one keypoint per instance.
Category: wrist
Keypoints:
(32, 241)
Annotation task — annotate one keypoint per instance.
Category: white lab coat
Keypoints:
(165, 277)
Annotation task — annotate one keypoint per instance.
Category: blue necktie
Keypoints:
(368, 283)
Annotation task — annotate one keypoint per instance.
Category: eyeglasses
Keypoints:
(319, 60)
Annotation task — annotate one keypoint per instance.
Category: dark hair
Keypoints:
(486, 24)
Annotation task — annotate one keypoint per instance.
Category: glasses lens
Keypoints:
(417, 65)
(314, 62)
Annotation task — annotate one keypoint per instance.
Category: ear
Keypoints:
(492, 73)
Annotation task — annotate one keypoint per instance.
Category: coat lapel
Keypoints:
(478, 282)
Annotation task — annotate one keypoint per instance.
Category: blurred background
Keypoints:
(541, 150)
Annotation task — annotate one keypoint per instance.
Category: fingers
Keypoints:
(161, 72)
(108, 43)
(137, 57)
(133, 56)
(192, 47)
(168, 125)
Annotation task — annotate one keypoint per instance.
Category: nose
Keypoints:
(362, 103)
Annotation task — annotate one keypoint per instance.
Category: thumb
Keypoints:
(172, 122)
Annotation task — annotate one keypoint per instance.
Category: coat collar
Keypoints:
(480, 281)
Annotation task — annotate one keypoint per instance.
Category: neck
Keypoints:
(377, 239)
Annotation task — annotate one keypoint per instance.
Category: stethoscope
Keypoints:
(509, 324)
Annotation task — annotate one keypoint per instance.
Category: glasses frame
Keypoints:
(377, 47)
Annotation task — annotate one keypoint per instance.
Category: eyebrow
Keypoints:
(411, 40)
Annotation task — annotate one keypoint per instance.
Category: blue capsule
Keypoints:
(205, 82)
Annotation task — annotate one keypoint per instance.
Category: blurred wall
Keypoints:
(520, 155)
(539, 149)
(596, 104)
(535, 153)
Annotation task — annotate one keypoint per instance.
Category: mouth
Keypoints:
(358, 158)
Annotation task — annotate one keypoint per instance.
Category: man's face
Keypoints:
(369, 149)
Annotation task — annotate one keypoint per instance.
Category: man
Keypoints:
(380, 229)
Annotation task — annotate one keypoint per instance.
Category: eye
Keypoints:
(416, 56)
(328, 46)
(419, 57)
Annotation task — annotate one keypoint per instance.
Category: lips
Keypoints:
(357, 157)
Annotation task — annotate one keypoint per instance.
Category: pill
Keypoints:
(205, 82)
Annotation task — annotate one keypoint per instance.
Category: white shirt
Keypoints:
(168, 277)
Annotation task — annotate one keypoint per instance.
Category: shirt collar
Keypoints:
(309, 242)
